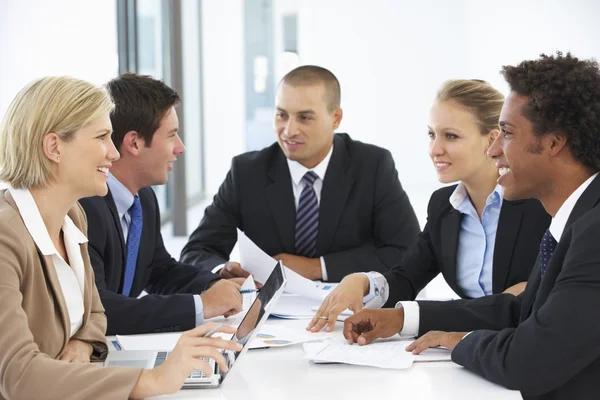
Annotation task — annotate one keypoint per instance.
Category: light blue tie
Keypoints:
(133, 244)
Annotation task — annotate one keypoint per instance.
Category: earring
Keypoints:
(57, 158)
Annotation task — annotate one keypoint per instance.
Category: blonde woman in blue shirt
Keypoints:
(481, 243)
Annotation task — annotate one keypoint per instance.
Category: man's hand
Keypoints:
(348, 294)
(223, 298)
(76, 351)
(516, 289)
(370, 324)
(436, 339)
(233, 269)
(309, 268)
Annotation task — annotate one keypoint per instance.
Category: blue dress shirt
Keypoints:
(124, 200)
(475, 255)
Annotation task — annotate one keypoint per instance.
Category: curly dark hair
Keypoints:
(565, 98)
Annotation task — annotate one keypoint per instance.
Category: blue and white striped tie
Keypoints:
(307, 218)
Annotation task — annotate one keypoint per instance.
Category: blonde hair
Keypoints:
(481, 98)
(61, 105)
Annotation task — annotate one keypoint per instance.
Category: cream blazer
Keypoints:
(35, 327)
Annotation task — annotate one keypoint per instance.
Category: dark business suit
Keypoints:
(366, 221)
(546, 342)
(169, 305)
(521, 225)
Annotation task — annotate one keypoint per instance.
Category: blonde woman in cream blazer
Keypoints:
(55, 148)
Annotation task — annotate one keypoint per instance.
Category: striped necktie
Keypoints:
(307, 218)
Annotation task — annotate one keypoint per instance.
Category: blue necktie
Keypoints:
(547, 248)
(133, 244)
(307, 218)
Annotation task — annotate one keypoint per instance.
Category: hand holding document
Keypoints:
(260, 264)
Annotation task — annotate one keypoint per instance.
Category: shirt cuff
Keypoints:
(411, 318)
(199, 309)
(378, 290)
(466, 335)
(218, 268)
(323, 270)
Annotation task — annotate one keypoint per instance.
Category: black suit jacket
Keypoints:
(546, 342)
(169, 306)
(366, 221)
(521, 226)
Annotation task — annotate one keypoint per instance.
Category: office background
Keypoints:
(226, 56)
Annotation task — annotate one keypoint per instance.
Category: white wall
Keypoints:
(392, 55)
(224, 107)
(66, 37)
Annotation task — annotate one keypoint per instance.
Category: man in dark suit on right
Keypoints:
(324, 204)
(546, 342)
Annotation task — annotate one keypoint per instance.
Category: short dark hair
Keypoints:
(141, 102)
(565, 98)
(312, 74)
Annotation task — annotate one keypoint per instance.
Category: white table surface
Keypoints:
(281, 373)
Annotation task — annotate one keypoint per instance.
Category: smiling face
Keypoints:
(155, 161)
(303, 123)
(456, 146)
(86, 158)
(520, 155)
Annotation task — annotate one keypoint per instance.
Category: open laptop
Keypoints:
(255, 316)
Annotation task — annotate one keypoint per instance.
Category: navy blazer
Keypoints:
(521, 225)
(545, 342)
(366, 221)
(169, 306)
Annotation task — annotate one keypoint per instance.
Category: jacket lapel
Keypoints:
(50, 272)
(336, 188)
(51, 276)
(280, 198)
(450, 229)
(110, 202)
(509, 223)
(588, 200)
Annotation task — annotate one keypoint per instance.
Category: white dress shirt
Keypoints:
(71, 278)
(411, 308)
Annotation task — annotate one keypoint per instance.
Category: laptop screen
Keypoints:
(256, 312)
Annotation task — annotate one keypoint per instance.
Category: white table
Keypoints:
(281, 373)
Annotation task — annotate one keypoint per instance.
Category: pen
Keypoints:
(213, 331)
(244, 291)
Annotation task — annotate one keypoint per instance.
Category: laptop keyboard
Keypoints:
(162, 356)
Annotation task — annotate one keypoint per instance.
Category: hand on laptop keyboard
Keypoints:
(189, 357)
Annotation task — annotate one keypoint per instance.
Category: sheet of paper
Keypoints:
(272, 335)
(429, 355)
(292, 306)
(389, 355)
(260, 264)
